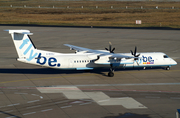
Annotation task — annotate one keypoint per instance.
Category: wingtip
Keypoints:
(66, 44)
(6, 30)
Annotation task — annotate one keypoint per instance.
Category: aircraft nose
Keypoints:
(174, 62)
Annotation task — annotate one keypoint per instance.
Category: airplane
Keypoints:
(84, 58)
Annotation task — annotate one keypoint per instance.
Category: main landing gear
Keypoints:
(111, 72)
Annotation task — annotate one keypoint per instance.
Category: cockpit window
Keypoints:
(165, 56)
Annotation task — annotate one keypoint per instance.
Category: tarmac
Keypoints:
(29, 91)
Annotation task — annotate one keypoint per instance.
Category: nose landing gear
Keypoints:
(167, 68)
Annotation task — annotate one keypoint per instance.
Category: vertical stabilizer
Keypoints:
(23, 44)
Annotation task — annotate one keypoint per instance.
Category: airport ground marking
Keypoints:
(29, 113)
(46, 110)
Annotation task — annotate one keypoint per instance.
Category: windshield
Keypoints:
(165, 56)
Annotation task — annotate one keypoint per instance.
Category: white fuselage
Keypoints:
(83, 61)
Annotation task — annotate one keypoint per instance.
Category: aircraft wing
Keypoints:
(98, 52)
(121, 56)
(79, 49)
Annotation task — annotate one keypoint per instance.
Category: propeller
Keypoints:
(110, 48)
(135, 55)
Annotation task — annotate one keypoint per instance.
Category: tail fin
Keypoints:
(24, 46)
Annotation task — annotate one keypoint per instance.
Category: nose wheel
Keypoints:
(167, 68)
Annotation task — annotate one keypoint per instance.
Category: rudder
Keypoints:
(23, 44)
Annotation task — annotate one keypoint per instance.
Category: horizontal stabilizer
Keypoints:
(19, 32)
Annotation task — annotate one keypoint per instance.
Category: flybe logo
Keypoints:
(41, 59)
(147, 60)
(32, 54)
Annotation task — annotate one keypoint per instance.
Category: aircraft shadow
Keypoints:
(101, 71)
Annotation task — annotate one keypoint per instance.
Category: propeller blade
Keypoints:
(135, 51)
(131, 52)
(137, 63)
(110, 46)
(110, 43)
(137, 55)
(113, 50)
(106, 49)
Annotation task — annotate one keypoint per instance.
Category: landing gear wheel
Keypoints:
(168, 68)
(110, 74)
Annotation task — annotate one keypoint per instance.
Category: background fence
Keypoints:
(91, 7)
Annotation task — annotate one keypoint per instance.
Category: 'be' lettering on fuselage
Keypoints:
(51, 61)
(147, 60)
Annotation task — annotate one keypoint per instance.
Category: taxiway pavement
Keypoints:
(28, 91)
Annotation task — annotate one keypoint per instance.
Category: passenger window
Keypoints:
(74, 61)
(165, 56)
(82, 61)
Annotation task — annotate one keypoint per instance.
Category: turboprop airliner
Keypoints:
(84, 58)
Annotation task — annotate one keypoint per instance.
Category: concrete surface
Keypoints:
(155, 91)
